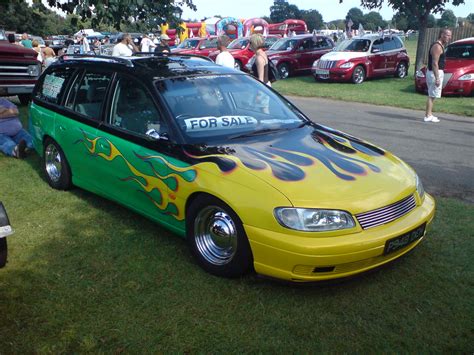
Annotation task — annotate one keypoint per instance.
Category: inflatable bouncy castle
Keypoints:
(284, 28)
(229, 26)
(255, 25)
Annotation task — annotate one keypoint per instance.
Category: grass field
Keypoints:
(87, 275)
(388, 91)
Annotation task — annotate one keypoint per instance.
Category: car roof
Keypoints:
(468, 40)
(156, 66)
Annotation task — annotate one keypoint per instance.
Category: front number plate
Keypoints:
(322, 72)
(403, 240)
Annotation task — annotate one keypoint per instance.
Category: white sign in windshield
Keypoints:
(214, 123)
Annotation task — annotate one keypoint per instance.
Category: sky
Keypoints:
(330, 9)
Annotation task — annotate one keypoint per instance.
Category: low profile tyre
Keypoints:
(358, 75)
(284, 70)
(217, 238)
(3, 251)
(402, 70)
(55, 166)
(24, 99)
(238, 65)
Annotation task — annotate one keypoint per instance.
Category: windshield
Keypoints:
(188, 44)
(2, 35)
(353, 45)
(239, 43)
(216, 107)
(284, 44)
(460, 51)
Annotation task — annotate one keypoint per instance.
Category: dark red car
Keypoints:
(197, 45)
(296, 54)
(363, 57)
(240, 50)
(458, 72)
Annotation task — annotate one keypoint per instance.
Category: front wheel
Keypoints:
(402, 70)
(358, 75)
(55, 166)
(284, 70)
(217, 238)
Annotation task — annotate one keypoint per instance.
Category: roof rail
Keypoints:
(98, 58)
(163, 55)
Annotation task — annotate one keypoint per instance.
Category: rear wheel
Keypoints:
(402, 70)
(284, 70)
(358, 75)
(3, 251)
(55, 166)
(217, 238)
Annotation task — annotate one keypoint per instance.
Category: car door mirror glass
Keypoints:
(153, 133)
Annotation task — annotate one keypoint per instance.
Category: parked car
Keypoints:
(197, 45)
(222, 159)
(360, 58)
(19, 69)
(240, 50)
(5, 231)
(294, 55)
(458, 71)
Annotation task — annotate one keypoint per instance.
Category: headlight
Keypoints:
(313, 220)
(347, 65)
(419, 187)
(467, 77)
(34, 70)
(316, 63)
(419, 74)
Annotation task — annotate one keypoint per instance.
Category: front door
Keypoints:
(377, 57)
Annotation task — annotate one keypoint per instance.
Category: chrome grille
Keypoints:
(7, 70)
(327, 64)
(386, 214)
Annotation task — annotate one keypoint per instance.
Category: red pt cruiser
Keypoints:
(359, 58)
(458, 71)
(197, 45)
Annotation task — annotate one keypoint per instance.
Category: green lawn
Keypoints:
(87, 275)
(387, 91)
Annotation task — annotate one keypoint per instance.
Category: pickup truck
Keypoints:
(19, 69)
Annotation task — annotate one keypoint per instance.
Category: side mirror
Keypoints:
(153, 133)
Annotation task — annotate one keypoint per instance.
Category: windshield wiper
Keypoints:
(256, 133)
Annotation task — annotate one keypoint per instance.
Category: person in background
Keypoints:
(106, 40)
(25, 42)
(224, 58)
(14, 140)
(48, 55)
(125, 48)
(163, 46)
(37, 48)
(147, 44)
(260, 66)
(11, 38)
(435, 72)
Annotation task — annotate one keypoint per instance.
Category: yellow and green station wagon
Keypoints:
(223, 160)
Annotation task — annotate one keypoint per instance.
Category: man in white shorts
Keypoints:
(435, 72)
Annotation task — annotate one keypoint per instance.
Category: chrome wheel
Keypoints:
(215, 235)
(53, 164)
(284, 71)
(401, 70)
(358, 75)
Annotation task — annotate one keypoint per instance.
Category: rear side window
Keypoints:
(87, 94)
(53, 85)
(391, 43)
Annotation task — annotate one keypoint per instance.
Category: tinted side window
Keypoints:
(54, 84)
(378, 45)
(269, 41)
(322, 43)
(389, 44)
(87, 94)
(133, 109)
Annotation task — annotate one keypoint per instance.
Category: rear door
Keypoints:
(391, 49)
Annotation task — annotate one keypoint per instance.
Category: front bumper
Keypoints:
(334, 74)
(305, 259)
(10, 90)
(453, 87)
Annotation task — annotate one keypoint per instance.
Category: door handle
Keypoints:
(62, 128)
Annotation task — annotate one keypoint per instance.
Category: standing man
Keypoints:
(25, 42)
(435, 72)
(163, 46)
(125, 47)
(147, 44)
(224, 58)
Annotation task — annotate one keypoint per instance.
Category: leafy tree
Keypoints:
(337, 24)
(281, 10)
(421, 10)
(448, 19)
(401, 22)
(470, 18)
(313, 19)
(356, 15)
(125, 12)
(373, 20)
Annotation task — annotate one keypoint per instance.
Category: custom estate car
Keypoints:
(364, 57)
(226, 162)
